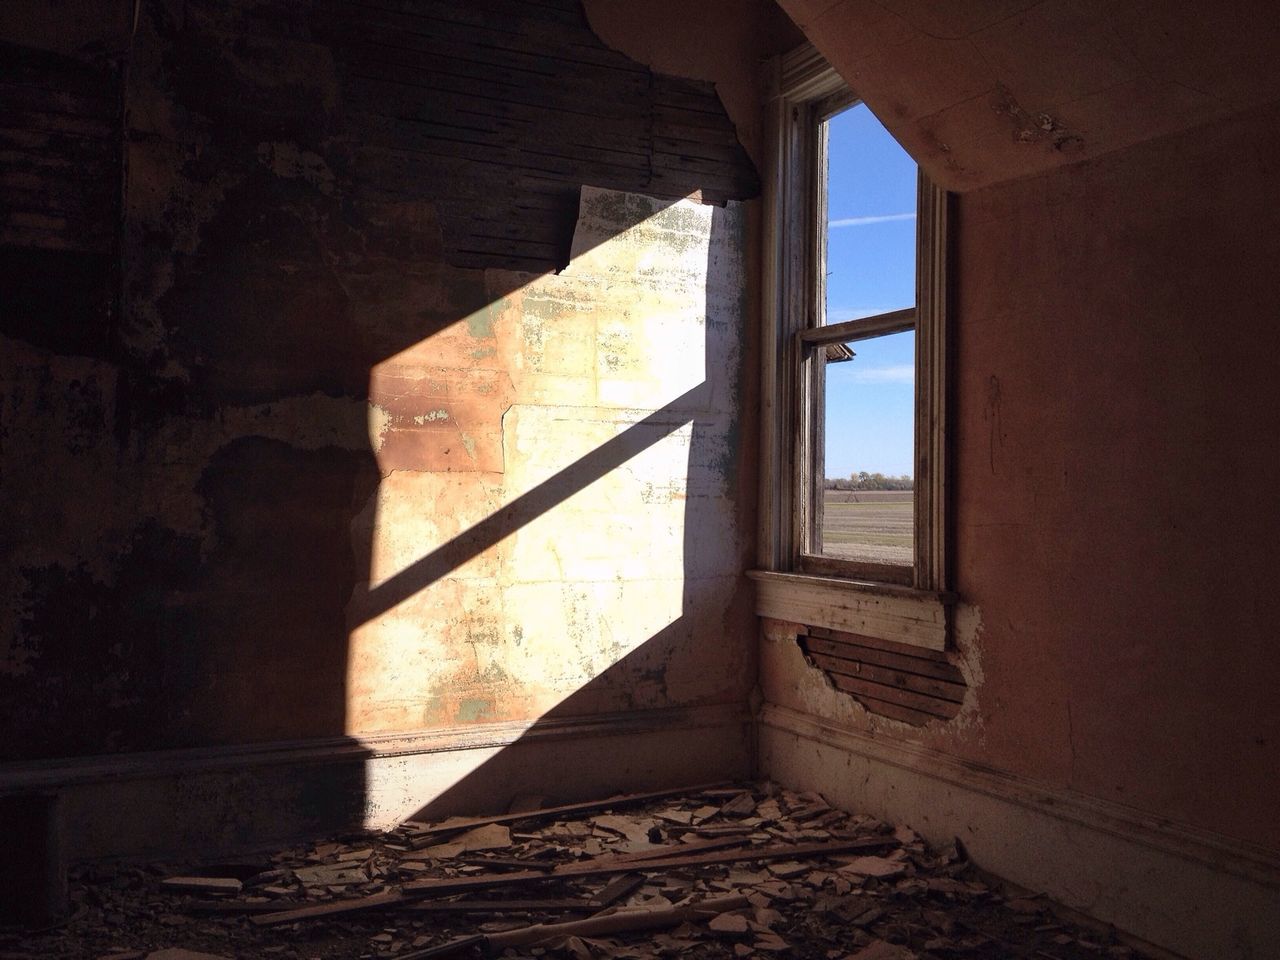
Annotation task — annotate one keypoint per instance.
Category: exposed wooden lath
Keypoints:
(498, 112)
(896, 680)
(60, 182)
(60, 147)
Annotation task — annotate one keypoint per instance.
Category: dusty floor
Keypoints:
(885, 896)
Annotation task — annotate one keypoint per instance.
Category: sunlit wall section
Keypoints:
(556, 531)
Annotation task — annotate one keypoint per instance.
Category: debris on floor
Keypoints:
(719, 872)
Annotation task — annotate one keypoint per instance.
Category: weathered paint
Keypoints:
(1117, 442)
(217, 499)
(629, 329)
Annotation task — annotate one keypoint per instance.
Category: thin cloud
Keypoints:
(897, 373)
(864, 221)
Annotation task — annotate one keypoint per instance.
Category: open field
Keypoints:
(873, 525)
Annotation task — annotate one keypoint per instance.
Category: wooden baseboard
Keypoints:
(207, 801)
(1186, 890)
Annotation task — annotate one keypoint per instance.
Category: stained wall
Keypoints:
(1114, 492)
(1115, 476)
(404, 399)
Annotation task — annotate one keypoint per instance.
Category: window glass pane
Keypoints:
(867, 456)
(870, 217)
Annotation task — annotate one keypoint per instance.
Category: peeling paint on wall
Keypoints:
(308, 398)
(621, 353)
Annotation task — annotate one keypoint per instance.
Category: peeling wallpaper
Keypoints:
(320, 475)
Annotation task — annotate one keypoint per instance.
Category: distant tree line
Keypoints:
(862, 480)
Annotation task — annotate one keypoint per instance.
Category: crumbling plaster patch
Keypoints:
(789, 680)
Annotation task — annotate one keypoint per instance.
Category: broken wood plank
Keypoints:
(448, 949)
(617, 889)
(500, 906)
(848, 650)
(724, 830)
(604, 866)
(232, 906)
(894, 695)
(926, 686)
(695, 846)
(202, 884)
(457, 825)
(599, 867)
(911, 650)
(743, 805)
(608, 923)
(371, 902)
(622, 920)
(505, 863)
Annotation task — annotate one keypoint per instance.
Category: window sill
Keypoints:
(882, 611)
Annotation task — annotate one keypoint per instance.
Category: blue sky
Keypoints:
(871, 202)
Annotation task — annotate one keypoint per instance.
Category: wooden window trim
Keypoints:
(802, 90)
(883, 611)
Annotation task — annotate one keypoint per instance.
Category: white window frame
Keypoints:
(905, 604)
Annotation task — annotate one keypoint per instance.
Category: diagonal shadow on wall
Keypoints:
(286, 231)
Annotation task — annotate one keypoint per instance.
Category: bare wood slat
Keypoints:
(499, 906)
(54, 121)
(878, 643)
(372, 902)
(693, 125)
(478, 106)
(428, 135)
(458, 824)
(889, 694)
(482, 104)
(498, 81)
(619, 888)
(59, 153)
(889, 677)
(445, 39)
(42, 99)
(480, 13)
(601, 866)
(604, 866)
(846, 650)
(19, 236)
(521, 26)
(30, 67)
(896, 711)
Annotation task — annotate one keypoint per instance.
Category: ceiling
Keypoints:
(983, 91)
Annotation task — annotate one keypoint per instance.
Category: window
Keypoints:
(829, 360)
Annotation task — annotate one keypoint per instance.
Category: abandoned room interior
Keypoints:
(423, 409)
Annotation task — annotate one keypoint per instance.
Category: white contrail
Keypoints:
(898, 373)
(863, 221)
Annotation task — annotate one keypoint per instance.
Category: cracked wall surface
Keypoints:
(331, 466)
(1116, 439)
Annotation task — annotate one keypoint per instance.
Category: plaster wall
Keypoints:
(1117, 467)
(319, 483)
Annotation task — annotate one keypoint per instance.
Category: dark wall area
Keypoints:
(208, 238)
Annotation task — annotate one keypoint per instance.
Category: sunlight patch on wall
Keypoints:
(599, 407)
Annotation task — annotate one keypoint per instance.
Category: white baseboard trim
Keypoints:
(1186, 890)
(223, 799)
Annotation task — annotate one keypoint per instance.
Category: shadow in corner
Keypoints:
(195, 447)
